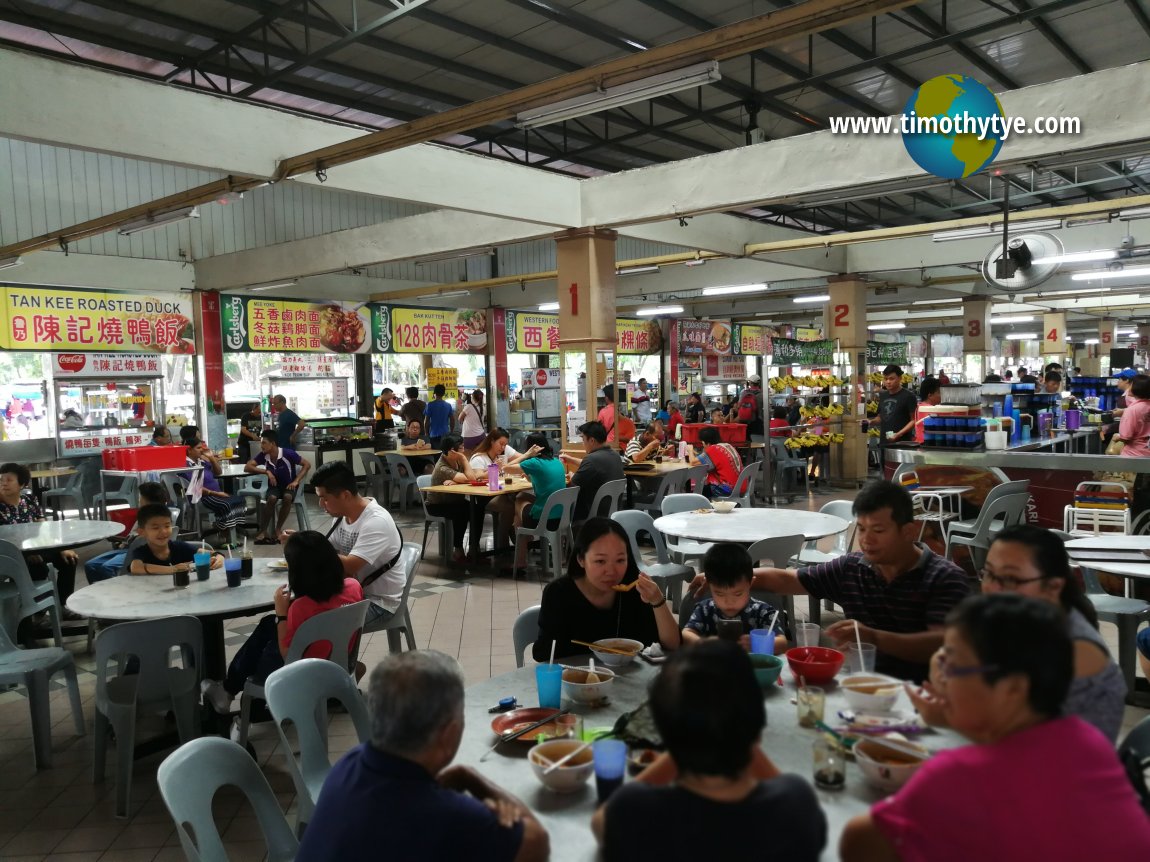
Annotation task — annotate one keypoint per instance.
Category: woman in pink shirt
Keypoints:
(1134, 428)
(1034, 785)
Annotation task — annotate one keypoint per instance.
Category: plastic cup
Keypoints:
(180, 578)
(861, 662)
(203, 561)
(246, 565)
(763, 641)
(233, 570)
(807, 634)
(812, 704)
(610, 759)
(830, 769)
(549, 682)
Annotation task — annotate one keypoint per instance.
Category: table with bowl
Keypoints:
(145, 597)
(478, 494)
(566, 812)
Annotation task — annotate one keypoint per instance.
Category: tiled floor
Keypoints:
(59, 814)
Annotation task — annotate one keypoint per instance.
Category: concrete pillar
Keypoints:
(1107, 341)
(1144, 342)
(845, 322)
(976, 344)
(1054, 338)
(585, 259)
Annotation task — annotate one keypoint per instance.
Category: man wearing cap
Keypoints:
(749, 410)
(1124, 378)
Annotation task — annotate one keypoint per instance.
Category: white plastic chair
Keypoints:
(744, 491)
(298, 694)
(670, 575)
(810, 555)
(189, 778)
(668, 484)
(154, 685)
(375, 474)
(34, 596)
(33, 668)
(968, 526)
(1087, 520)
(782, 462)
(607, 499)
(336, 627)
(525, 632)
(1002, 512)
(559, 506)
(73, 489)
(400, 621)
(777, 551)
(684, 550)
(126, 493)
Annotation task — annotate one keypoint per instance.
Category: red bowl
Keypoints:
(816, 665)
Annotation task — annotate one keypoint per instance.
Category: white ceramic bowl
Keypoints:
(871, 692)
(579, 691)
(723, 507)
(885, 768)
(569, 777)
(611, 659)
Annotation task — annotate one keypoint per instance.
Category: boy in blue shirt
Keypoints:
(729, 572)
(160, 555)
(440, 416)
(108, 565)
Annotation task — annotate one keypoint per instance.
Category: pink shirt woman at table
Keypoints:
(1134, 428)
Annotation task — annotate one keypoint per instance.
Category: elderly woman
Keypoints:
(18, 507)
(1035, 784)
(586, 604)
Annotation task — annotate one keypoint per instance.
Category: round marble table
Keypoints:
(58, 535)
(1112, 544)
(567, 817)
(144, 597)
(746, 526)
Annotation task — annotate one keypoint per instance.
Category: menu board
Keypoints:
(750, 340)
(709, 337)
(73, 319)
(787, 351)
(883, 353)
(255, 324)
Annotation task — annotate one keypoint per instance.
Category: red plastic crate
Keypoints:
(728, 432)
(151, 457)
(110, 459)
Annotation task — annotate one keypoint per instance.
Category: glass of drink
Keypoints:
(861, 660)
(203, 560)
(807, 634)
(549, 681)
(180, 577)
(610, 759)
(829, 763)
(245, 564)
(569, 726)
(812, 702)
(233, 571)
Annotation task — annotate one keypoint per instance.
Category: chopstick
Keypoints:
(610, 650)
(523, 730)
(579, 750)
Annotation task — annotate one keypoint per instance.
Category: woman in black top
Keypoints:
(585, 605)
(696, 412)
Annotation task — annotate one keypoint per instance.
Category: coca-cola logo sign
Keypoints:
(71, 362)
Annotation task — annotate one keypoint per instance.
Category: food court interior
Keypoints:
(205, 205)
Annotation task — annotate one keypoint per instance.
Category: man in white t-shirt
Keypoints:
(641, 401)
(365, 538)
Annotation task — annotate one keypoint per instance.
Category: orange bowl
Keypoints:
(816, 665)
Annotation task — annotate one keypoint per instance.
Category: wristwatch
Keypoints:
(280, 619)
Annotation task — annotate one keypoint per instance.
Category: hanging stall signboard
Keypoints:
(788, 351)
(448, 378)
(254, 324)
(750, 340)
(709, 337)
(725, 367)
(73, 319)
(429, 330)
(307, 365)
(106, 365)
(880, 353)
(532, 332)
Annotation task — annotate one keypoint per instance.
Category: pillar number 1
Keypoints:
(574, 299)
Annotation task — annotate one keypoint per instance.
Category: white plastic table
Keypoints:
(42, 536)
(747, 526)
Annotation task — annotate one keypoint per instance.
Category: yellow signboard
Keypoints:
(529, 332)
(447, 377)
(432, 330)
(69, 319)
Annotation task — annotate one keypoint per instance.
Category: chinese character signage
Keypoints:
(106, 365)
(878, 353)
(710, 337)
(429, 330)
(788, 351)
(448, 378)
(72, 319)
(531, 332)
(74, 447)
(724, 367)
(252, 324)
(750, 340)
(307, 365)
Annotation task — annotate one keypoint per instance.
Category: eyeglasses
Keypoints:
(949, 671)
(1006, 581)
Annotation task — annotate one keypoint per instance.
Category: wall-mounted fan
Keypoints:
(1016, 270)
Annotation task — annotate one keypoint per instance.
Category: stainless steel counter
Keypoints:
(1030, 457)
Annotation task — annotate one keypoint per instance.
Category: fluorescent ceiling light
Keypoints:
(886, 326)
(1070, 294)
(995, 229)
(733, 289)
(443, 295)
(455, 255)
(1022, 336)
(699, 262)
(931, 315)
(1079, 257)
(152, 221)
(623, 94)
(272, 285)
(1090, 341)
(7, 262)
(660, 309)
(549, 306)
(936, 301)
(1035, 224)
(822, 297)
(1134, 213)
(1023, 319)
(1132, 272)
(637, 270)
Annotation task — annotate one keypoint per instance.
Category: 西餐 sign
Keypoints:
(532, 332)
(429, 330)
(253, 324)
(74, 319)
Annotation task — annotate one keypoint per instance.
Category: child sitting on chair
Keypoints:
(160, 555)
(109, 564)
(729, 572)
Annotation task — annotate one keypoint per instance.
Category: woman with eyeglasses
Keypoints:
(1032, 562)
(1035, 784)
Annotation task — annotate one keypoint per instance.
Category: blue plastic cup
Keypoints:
(610, 759)
(549, 681)
(233, 571)
(763, 641)
(203, 560)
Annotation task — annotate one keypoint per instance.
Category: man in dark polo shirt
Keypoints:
(395, 797)
(601, 464)
(896, 408)
(897, 591)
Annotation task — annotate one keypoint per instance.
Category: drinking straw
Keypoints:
(229, 550)
(553, 645)
(858, 638)
(774, 619)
